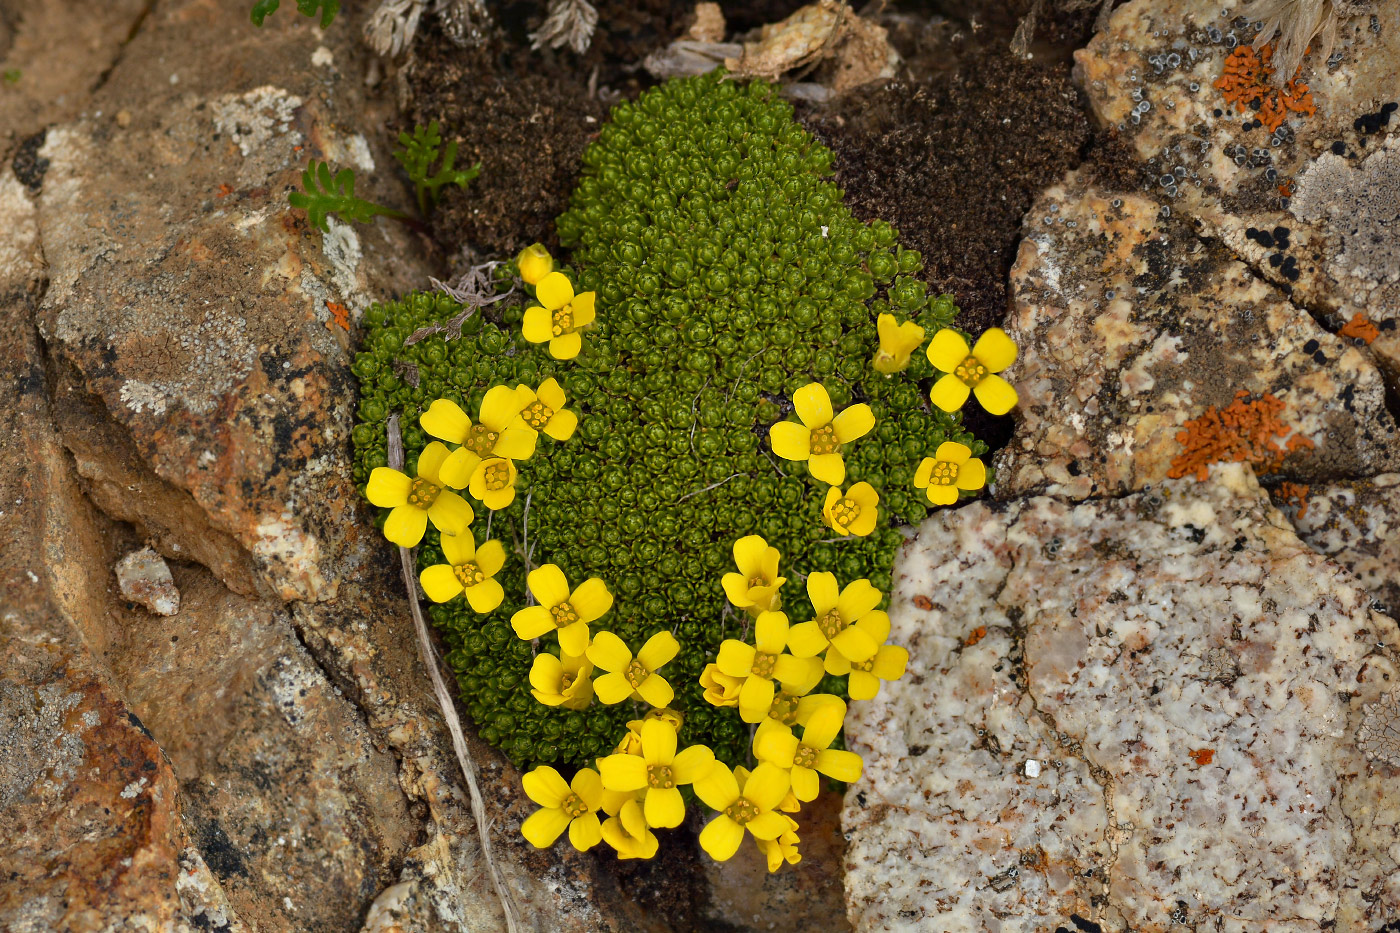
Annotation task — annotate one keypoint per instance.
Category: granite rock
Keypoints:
(1130, 326)
(1138, 712)
(144, 578)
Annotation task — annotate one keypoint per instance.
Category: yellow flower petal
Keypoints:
(656, 691)
(543, 827)
(515, 444)
(588, 784)
(537, 325)
(584, 308)
(430, 462)
(445, 419)
(770, 632)
(565, 346)
(865, 522)
(996, 395)
(973, 475)
(953, 452)
(585, 832)
(947, 349)
(924, 472)
(562, 426)
(854, 422)
(591, 600)
(808, 706)
(721, 837)
(823, 590)
(499, 407)
(718, 787)
(486, 596)
(457, 469)
(458, 549)
(766, 786)
(806, 640)
(790, 441)
(735, 658)
(767, 825)
(532, 622)
(805, 784)
(828, 468)
(858, 598)
(554, 291)
(862, 686)
(691, 762)
(551, 393)
(623, 772)
(451, 514)
(823, 726)
(749, 552)
(995, 349)
(609, 652)
(876, 625)
(813, 405)
(854, 644)
(942, 495)
(439, 583)
(491, 557)
(633, 820)
(545, 786)
(774, 742)
(546, 673)
(658, 652)
(755, 697)
(890, 662)
(387, 488)
(840, 765)
(405, 525)
(664, 807)
(534, 263)
(573, 639)
(549, 585)
(797, 675)
(612, 688)
(658, 742)
(949, 393)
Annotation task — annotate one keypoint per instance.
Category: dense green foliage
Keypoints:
(325, 193)
(728, 274)
(326, 9)
(420, 150)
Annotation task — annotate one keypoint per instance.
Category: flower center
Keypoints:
(660, 776)
(423, 494)
(783, 708)
(867, 665)
(636, 673)
(824, 440)
(480, 440)
(971, 371)
(763, 664)
(537, 415)
(756, 582)
(469, 574)
(574, 806)
(845, 511)
(563, 320)
(496, 476)
(806, 757)
(564, 614)
(566, 681)
(741, 811)
(944, 474)
(831, 624)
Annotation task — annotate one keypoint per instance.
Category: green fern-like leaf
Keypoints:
(326, 193)
(420, 150)
(326, 9)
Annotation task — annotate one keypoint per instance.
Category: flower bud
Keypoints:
(535, 263)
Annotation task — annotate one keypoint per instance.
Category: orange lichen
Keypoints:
(923, 602)
(979, 633)
(224, 190)
(340, 313)
(1203, 756)
(1361, 327)
(1242, 431)
(1286, 189)
(1245, 83)
(1295, 493)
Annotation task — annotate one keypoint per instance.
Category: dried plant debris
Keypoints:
(569, 22)
(392, 26)
(1379, 735)
(1297, 23)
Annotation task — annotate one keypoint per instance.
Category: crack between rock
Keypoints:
(136, 25)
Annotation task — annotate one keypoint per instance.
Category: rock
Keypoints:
(1137, 339)
(707, 24)
(144, 578)
(1357, 524)
(1190, 680)
(1330, 178)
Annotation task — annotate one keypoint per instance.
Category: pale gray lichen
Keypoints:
(1359, 204)
(1379, 735)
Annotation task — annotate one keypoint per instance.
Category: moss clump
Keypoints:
(729, 274)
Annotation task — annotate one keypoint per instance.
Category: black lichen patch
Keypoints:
(728, 274)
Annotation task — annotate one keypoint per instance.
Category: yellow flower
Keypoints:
(888, 663)
(631, 743)
(564, 681)
(569, 613)
(853, 512)
(759, 665)
(805, 758)
(469, 569)
(631, 677)
(972, 370)
(558, 317)
(819, 437)
(493, 434)
(952, 467)
(755, 587)
(747, 807)
(544, 410)
(534, 263)
(659, 771)
(720, 688)
(626, 828)
(790, 710)
(493, 483)
(572, 806)
(838, 613)
(414, 500)
(897, 343)
(784, 848)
